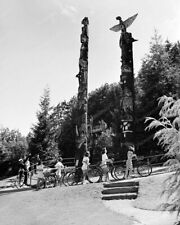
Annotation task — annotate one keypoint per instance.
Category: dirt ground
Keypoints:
(75, 205)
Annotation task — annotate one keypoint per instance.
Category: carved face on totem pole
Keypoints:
(127, 76)
(85, 21)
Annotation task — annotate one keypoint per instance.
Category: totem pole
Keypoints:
(126, 79)
(82, 110)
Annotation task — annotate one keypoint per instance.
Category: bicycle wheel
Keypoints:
(19, 180)
(119, 173)
(71, 179)
(94, 175)
(50, 181)
(112, 171)
(65, 178)
(16, 182)
(144, 170)
(41, 184)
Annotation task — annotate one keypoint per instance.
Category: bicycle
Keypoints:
(94, 175)
(143, 168)
(49, 180)
(111, 168)
(99, 170)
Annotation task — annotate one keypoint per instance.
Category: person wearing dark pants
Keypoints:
(22, 169)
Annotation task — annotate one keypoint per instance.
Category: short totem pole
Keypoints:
(126, 79)
(82, 109)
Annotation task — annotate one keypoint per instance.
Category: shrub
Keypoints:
(167, 131)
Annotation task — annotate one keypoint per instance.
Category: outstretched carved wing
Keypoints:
(130, 20)
(116, 28)
(126, 23)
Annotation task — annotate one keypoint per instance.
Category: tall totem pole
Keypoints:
(127, 79)
(81, 122)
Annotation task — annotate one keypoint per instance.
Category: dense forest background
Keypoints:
(54, 132)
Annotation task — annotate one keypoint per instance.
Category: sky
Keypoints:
(40, 48)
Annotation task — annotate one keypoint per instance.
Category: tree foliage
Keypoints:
(12, 147)
(41, 135)
(12, 144)
(66, 139)
(167, 132)
(159, 75)
(105, 139)
(103, 104)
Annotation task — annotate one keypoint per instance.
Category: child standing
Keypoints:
(129, 164)
(40, 176)
(59, 166)
(85, 164)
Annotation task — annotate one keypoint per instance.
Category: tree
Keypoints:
(105, 139)
(103, 104)
(167, 132)
(105, 97)
(12, 144)
(158, 76)
(173, 68)
(57, 118)
(40, 141)
(67, 135)
(12, 147)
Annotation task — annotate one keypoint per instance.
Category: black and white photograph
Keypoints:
(89, 112)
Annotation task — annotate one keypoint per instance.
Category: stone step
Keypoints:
(122, 184)
(117, 190)
(124, 196)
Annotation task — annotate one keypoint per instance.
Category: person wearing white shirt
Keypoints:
(104, 165)
(59, 166)
(129, 164)
(85, 165)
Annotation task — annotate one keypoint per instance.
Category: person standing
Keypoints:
(27, 163)
(129, 164)
(41, 180)
(22, 170)
(59, 166)
(104, 165)
(85, 165)
(35, 162)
